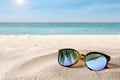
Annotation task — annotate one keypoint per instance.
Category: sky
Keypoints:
(59, 10)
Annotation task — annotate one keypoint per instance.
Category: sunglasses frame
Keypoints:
(83, 57)
(106, 56)
(68, 49)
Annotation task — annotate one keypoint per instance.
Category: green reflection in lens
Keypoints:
(93, 57)
(68, 57)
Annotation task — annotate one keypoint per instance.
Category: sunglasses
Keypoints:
(95, 61)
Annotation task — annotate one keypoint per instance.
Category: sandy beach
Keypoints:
(34, 57)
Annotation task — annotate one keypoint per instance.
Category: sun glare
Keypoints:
(19, 2)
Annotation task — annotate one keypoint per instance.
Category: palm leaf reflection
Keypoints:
(70, 55)
(93, 57)
(74, 55)
(61, 58)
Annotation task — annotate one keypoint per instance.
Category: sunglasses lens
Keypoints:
(96, 61)
(67, 57)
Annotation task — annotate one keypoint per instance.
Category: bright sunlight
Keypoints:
(20, 2)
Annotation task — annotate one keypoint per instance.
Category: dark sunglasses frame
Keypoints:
(83, 57)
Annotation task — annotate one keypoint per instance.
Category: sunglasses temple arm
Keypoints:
(108, 58)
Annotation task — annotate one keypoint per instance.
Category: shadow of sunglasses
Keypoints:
(95, 61)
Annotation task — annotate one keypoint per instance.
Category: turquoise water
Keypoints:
(59, 28)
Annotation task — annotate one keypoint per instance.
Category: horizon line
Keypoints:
(61, 22)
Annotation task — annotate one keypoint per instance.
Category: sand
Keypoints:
(34, 57)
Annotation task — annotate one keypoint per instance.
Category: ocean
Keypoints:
(59, 28)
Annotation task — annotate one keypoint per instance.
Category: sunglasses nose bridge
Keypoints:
(82, 56)
(80, 61)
